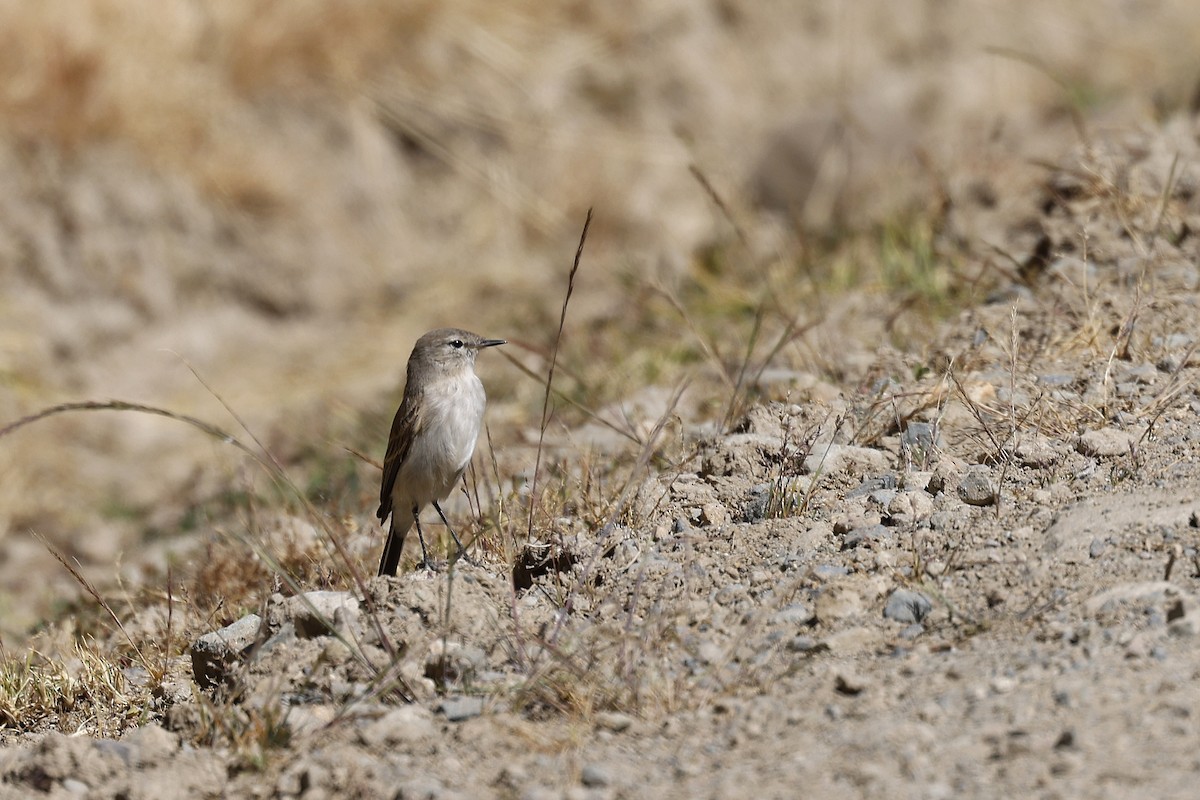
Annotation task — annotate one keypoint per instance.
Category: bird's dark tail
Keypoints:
(401, 522)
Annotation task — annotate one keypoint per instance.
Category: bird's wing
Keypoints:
(405, 427)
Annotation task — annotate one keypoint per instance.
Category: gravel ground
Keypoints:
(929, 560)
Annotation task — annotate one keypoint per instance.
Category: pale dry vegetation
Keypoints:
(244, 212)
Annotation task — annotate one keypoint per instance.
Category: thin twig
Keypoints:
(562, 321)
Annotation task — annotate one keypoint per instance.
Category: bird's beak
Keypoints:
(492, 343)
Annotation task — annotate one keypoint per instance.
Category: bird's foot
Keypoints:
(463, 555)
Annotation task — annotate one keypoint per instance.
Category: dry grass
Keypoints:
(84, 690)
(195, 88)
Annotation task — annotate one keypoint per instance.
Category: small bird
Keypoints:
(433, 435)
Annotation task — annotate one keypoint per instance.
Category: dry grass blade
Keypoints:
(559, 395)
(156, 672)
(711, 191)
(562, 320)
(119, 405)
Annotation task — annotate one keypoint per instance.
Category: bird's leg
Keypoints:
(462, 551)
(425, 562)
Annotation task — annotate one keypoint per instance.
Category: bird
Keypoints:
(432, 437)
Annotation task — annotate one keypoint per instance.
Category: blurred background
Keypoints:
(284, 195)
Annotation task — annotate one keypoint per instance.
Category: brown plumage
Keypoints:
(433, 435)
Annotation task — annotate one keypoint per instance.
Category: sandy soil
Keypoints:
(928, 556)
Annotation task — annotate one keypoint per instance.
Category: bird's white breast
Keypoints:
(453, 410)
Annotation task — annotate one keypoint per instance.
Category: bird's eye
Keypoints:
(456, 344)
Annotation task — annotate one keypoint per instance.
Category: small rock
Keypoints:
(1104, 442)
(1096, 548)
(838, 602)
(976, 487)
(614, 721)
(904, 605)
(1002, 684)
(709, 652)
(1037, 453)
(871, 485)
(758, 504)
(882, 497)
(793, 614)
(457, 709)
(827, 572)
(802, 644)
(402, 725)
(713, 515)
(310, 718)
(922, 505)
(215, 655)
(849, 682)
(841, 458)
(595, 775)
(318, 613)
(860, 536)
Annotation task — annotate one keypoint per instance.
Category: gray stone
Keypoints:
(1106, 442)
(595, 775)
(214, 655)
(402, 725)
(904, 605)
(802, 644)
(1096, 548)
(614, 721)
(976, 487)
(457, 709)
(860, 536)
(319, 613)
(882, 497)
(839, 458)
(793, 614)
(870, 485)
(1037, 452)
(757, 505)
